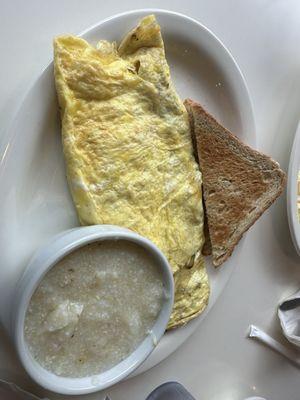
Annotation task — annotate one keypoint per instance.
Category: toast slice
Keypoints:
(239, 183)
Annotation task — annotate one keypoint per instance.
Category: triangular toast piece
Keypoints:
(239, 183)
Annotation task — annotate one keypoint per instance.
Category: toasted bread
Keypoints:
(239, 183)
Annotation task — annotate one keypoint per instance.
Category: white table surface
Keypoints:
(217, 362)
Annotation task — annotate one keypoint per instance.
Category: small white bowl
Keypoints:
(46, 258)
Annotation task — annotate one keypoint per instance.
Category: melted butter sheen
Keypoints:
(92, 309)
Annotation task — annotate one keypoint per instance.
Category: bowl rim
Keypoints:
(292, 191)
(48, 256)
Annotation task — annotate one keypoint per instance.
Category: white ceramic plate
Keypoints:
(35, 201)
(293, 195)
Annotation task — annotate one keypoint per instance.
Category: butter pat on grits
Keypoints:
(129, 153)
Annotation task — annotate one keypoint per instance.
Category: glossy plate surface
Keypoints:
(34, 196)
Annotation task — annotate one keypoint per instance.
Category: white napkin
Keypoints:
(289, 315)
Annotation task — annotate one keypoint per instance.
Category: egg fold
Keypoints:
(128, 151)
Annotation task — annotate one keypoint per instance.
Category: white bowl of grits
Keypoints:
(91, 307)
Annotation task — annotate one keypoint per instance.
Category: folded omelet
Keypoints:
(128, 151)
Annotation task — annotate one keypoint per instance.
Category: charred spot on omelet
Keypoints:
(128, 150)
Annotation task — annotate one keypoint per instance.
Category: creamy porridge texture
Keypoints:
(93, 308)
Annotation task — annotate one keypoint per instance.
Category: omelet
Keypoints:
(128, 151)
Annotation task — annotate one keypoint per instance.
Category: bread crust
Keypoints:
(239, 183)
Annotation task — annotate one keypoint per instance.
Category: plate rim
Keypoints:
(8, 140)
(293, 170)
(4, 145)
